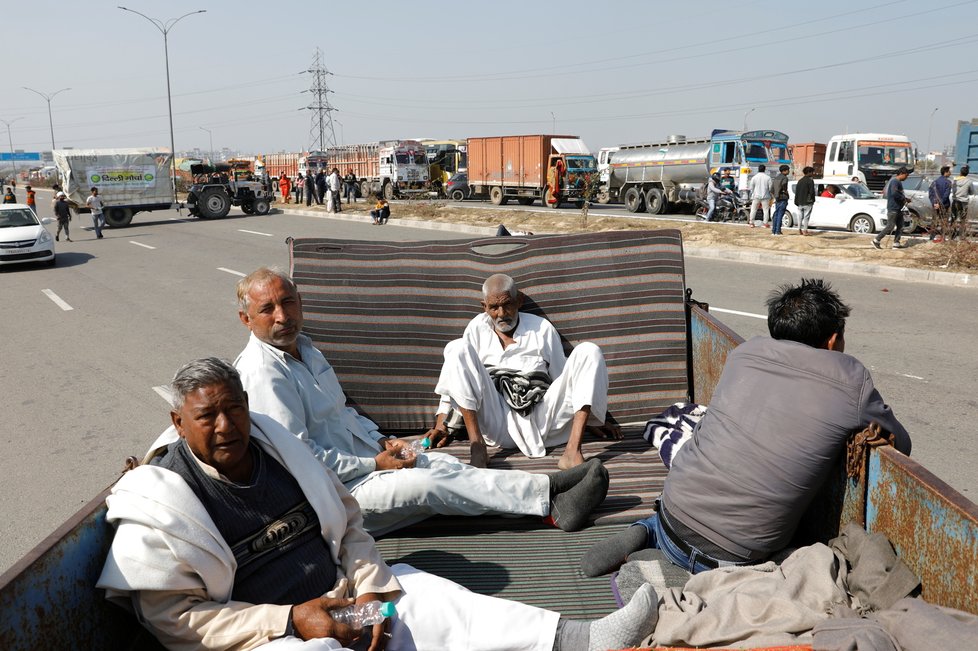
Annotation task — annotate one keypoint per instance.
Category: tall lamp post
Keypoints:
(930, 124)
(10, 141)
(48, 99)
(211, 137)
(553, 121)
(745, 117)
(165, 30)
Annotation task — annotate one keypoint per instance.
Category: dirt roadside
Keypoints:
(919, 254)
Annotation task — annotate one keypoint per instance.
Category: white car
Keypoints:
(23, 237)
(853, 207)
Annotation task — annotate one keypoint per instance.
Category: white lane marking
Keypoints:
(57, 300)
(738, 313)
(912, 377)
(145, 246)
(231, 271)
(163, 391)
(255, 232)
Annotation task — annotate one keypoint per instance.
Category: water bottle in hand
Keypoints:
(418, 446)
(360, 616)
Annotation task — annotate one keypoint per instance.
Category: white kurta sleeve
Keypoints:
(553, 351)
(276, 395)
(188, 620)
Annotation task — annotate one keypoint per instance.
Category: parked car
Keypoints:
(23, 237)
(457, 187)
(854, 208)
(917, 187)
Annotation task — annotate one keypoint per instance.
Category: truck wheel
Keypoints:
(388, 191)
(365, 189)
(548, 199)
(633, 200)
(655, 201)
(604, 198)
(496, 195)
(458, 195)
(261, 206)
(116, 217)
(247, 209)
(214, 203)
(862, 223)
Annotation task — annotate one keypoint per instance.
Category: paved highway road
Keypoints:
(86, 345)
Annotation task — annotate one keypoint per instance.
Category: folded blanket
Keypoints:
(521, 391)
(670, 430)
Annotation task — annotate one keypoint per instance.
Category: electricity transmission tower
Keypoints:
(321, 132)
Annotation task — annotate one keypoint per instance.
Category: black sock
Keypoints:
(608, 554)
(567, 479)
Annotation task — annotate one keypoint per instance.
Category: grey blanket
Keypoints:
(521, 391)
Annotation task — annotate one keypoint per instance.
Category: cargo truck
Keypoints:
(966, 145)
(552, 169)
(650, 176)
(872, 157)
(392, 169)
(128, 180)
(807, 154)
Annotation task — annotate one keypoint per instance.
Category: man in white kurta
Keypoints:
(288, 379)
(170, 563)
(502, 337)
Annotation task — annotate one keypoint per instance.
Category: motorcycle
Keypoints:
(729, 208)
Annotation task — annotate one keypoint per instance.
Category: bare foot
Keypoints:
(607, 431)
(570, 459)
(478, 455)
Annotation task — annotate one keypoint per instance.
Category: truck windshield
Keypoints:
(755, 151)
(758, 151)
(580, 163)
(402, 158)
(872, 154)
(779, 152)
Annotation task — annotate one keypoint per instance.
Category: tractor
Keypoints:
(218, 187)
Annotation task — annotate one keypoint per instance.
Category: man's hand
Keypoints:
(311, 620)
(380, 633)
(438, 437)
(388, 459)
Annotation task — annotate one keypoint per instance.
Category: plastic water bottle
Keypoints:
(363, 615)
(418, 446)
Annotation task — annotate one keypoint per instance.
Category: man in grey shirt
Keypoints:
(779, 419)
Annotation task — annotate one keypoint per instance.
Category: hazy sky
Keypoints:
(611, 72)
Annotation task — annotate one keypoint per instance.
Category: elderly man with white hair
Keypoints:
(509, 380)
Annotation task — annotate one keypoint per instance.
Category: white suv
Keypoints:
(23, 237)
(852, 206)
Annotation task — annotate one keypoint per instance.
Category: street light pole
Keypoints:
(48, 99)
(211, 137)
(745, 117)
(930, 124)
(10, 141)
(554, 119)
(164, 29)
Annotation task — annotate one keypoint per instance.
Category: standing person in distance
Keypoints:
(297, 187)
(333, 181)
(9, 196)
(963, 188)
(320, 186)
(760, 195)
(63, 212)
(939, 195)
(350, 186)
(285, 187)
(94, 203)
(31, 199)
(895, 201)
(310, 187)
(779, 189)
(805, 199)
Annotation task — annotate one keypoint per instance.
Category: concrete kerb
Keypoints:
(789, 260)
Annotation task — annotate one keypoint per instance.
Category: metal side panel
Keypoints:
(933, 527)
(48, 600)
(710, 341)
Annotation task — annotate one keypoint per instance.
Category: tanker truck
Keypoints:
(650, 176)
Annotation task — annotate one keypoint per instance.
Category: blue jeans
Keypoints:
(98, 220)
(779, 208)
(689, 562)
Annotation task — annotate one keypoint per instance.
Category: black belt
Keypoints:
(681, 544)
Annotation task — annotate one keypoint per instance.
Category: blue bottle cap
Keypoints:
(387, 609)
(426, 443)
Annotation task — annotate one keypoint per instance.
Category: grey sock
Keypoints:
(572, 635)
(608, 554)
(567, 479)
(570, 509)
(627, 626)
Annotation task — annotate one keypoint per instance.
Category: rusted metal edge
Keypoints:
(717, 325)
(52, 539)
(934, 483)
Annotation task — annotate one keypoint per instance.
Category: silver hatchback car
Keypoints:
(917, 187)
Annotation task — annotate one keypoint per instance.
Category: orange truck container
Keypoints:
(804, 154)
(524, 167)
(278, 164)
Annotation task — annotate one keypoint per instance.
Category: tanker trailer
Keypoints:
(650, 176)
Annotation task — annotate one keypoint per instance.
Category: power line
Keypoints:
(321, 131)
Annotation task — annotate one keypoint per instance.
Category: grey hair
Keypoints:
(203, 372)
(499, 283)
(261, 276)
